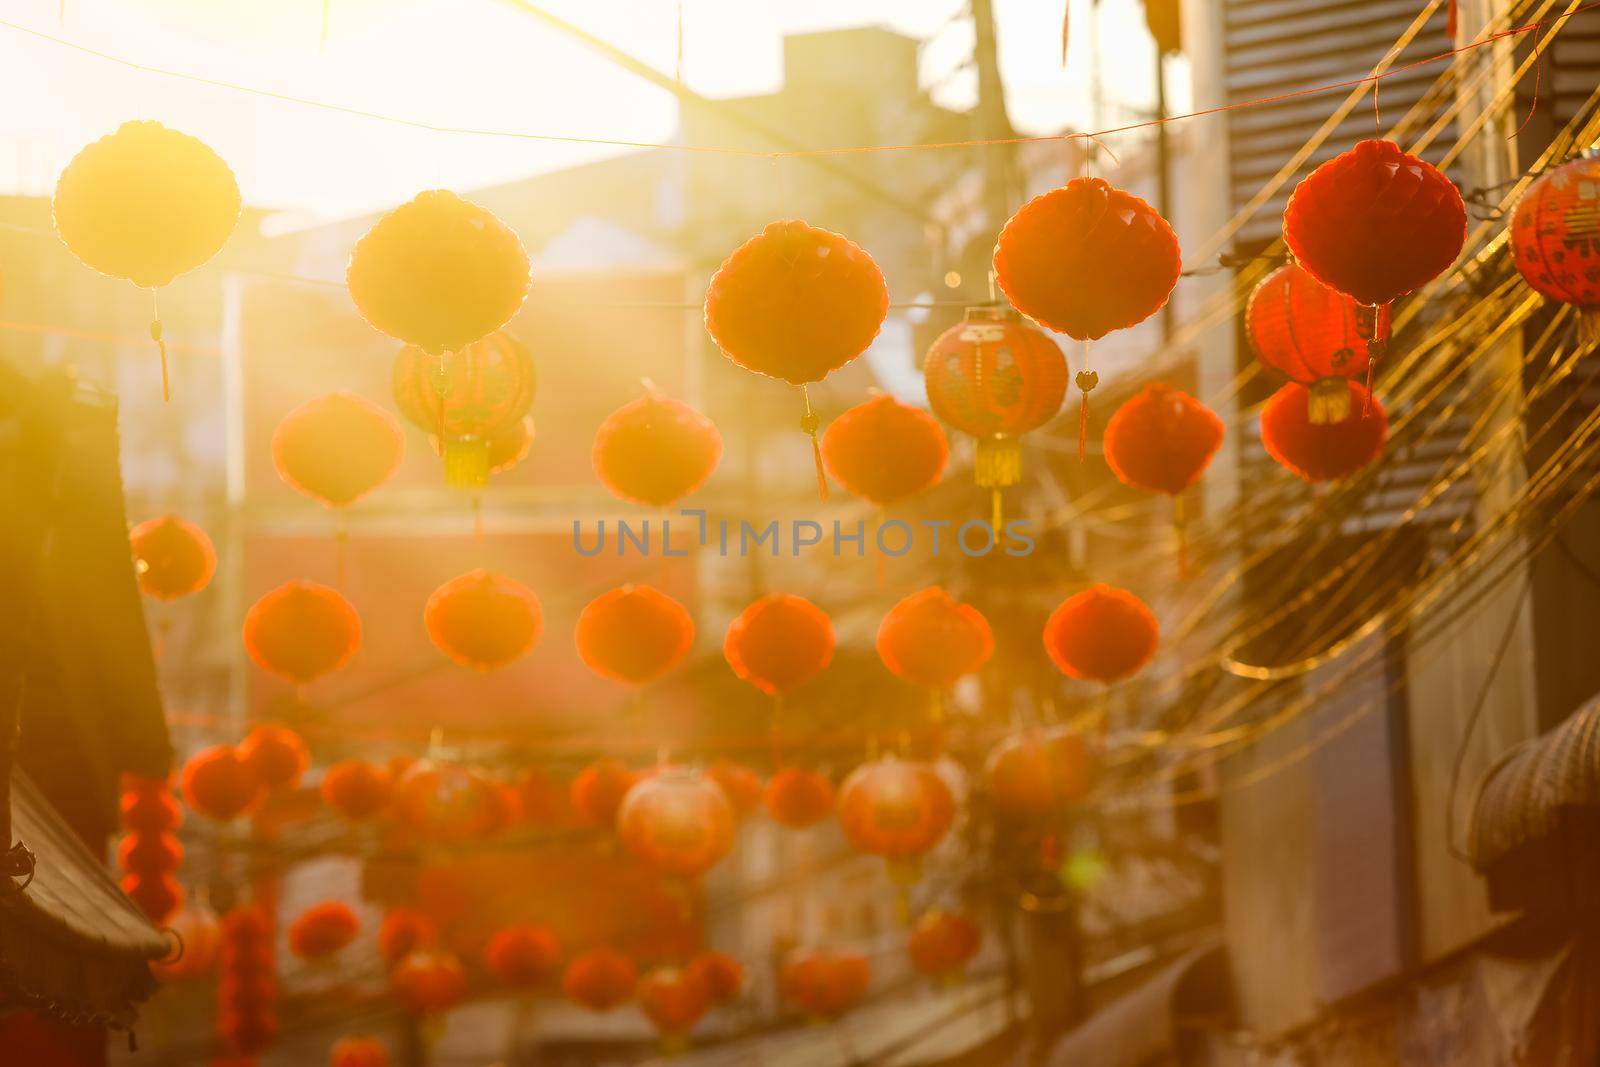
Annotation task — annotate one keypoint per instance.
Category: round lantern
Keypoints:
(598, 790)
(323, 929)
(1310, 334)
(825, 983)
(197, 934)
(673, 999)
(1320, 452)
(301, 631)
(150, 853)
(1101, 635)
(931, 639)
(358, 1052)
(172, 558)
(220, 783)
(655, 450)
(521, 956)
(796, 303)
(995, 378)
(248, 990)
(677, 821)
(278, 755)
(356, 789)
(633, 634)
(1555, 239)
(546, 801)
(157, 893)
(439, 273)
(150, 811)
(428, 982)
(446, 802)
(483, 620)
(897, 809)
(882, 450)
(741, 786)
(720, 974)
(779, 643)
(798, 797)
(1375, 223)
(147, 204)
(1162, 440)
(600, 979)
(337, 448)
(403, 932)
(942, 943)
(466, 399)
(1035, 774)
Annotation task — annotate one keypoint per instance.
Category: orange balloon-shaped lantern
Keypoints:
(655, 450)
(633, 634)
(1039, 773)
(358, 1052)
(739, 784)
(356, 789)
(1101, 635)
(779, 643)
(323, 929)
(931, 639)
(1555, 239)
(600, 979)
(796, 302)
(798, 797)
(198, 936)
(438, 272)
(673, 999)
(825, 983)
(466, 399)
(171, 557)
(403, 932)
(897, 809)
(483, 620)
(598, 790)
(1320, 452)
(337, 448)
(220, 783)
(677, 821)
(882, 450)
(301, 631)
(428, 982)
(942, 943)
(720, 974)
(1162, 440)
(278, 755)
(1310, 334)
(446, 802)
(522, 956)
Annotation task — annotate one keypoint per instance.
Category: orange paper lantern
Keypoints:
(323, 929)
(402, 932)
(673, 999)
(521, 956)
(356, 789)
(1101, 635)
(278, 755)
(943, 943)
(1038, 773)
(465, 399)
(798, 797)
(483, 620)
(883, 451)
(598, 790)
(337, 448)
(825, 983)
(779, 643)
(600, 979)
(1555, 239)
(720, 974)
(655, 450)
(677, 821)
(301, 631)
(172, 558)
(447, 802)
(220, 783)
(633, 634)
(1311, 335)
(1162, 440)
(428, 983)
(741, 786)
(897, 809)
(358, 1052)
(931, 639)
(157, 893)
(1320, 452)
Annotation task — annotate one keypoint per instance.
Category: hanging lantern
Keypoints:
(1320, 452)
(278, 755)
(600, 979)
(1162, 440)
(673, 999)
(897, 809)
(323, 929)
(1039, 773)
(428, 982)
(220, 783)
(358, 1052)
(995, 378)
(301, 631)
(144, 854)
(522, 956)
(633, 634)
(1310, 334)
(466, 398)
(439, 273)
(931, 639)
(1101, 635)
(825, 983)
(157, 893)
(403, 932)
(506, 448)
(655, 450)
(942, 943)
(720, 974)
(779, 643)
(798, 797)
(172, 558)
(741, 787)
(598, 790)
(797, 303)
(247, 991)
(197, 934)
(356, 789)
(446, 802)
(1555, 239)
(1375, 223)
(149, 854)
(883, 451)
(147, 809)
(677, 821)
(147, 204)
(545, 800)
(483, 620)
(337, 448)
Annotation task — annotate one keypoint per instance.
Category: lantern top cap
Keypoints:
(992, 313)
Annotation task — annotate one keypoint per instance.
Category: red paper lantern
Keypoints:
(521, 956)
(323, 929)
(897, 809)
(337, 448)
(428, 982)
(779, 643)
(466, 398)
(931, 639)
(248, 990)
(1555, 238)
(1310, 334)
(1037, 773)
(1101, 635)
(483, 620)
(677, 821)
(655, 450)
(546, 801)
(220, 783)
(825, 983)
(633, 634)
(446, 802)
(438, 272)
(720, 974)
(1320, 452)
(740, 786)
(883, 451)
(943, 943)
(301, 631)
(403, 932)
(278, 755)
(358, 1052)
(1162, 440)
(157, 893)
(600, 979)
(598, 790)
(197, 937)
(673, 999)
(171, 557)
(356, 789)
(798, 797)
(147, 807)
(150, 853)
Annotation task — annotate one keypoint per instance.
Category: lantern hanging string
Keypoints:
(156, 335)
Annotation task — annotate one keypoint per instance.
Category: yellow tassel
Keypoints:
(998, 462)
(466, 462)
(1329, 401)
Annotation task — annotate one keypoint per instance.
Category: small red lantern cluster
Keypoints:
(825, 983)
(483, 620)
(942, 943)
(897, 809)
(247, 995)
(798, 797)
(150, 852)
(323, 929)
(677, 821)
(522, 956)
(600, 979)
(467, 398)
(633, 634)
(1101, 635)
(1322, 451)
(1555, 238)
(779, 643)
(171, 557)
(883, 451)
(1040, 773)
(301, 631)
(656, 450)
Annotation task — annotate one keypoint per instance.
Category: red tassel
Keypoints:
(1086, 380)
(1450, 22)
(811, 422)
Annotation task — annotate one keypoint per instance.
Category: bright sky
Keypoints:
(473, 63)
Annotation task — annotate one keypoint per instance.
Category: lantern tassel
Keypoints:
(1374, 323)
(1452, 19)
(997, 503)
(811, 422)
(157, 335)
(1086, 380)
